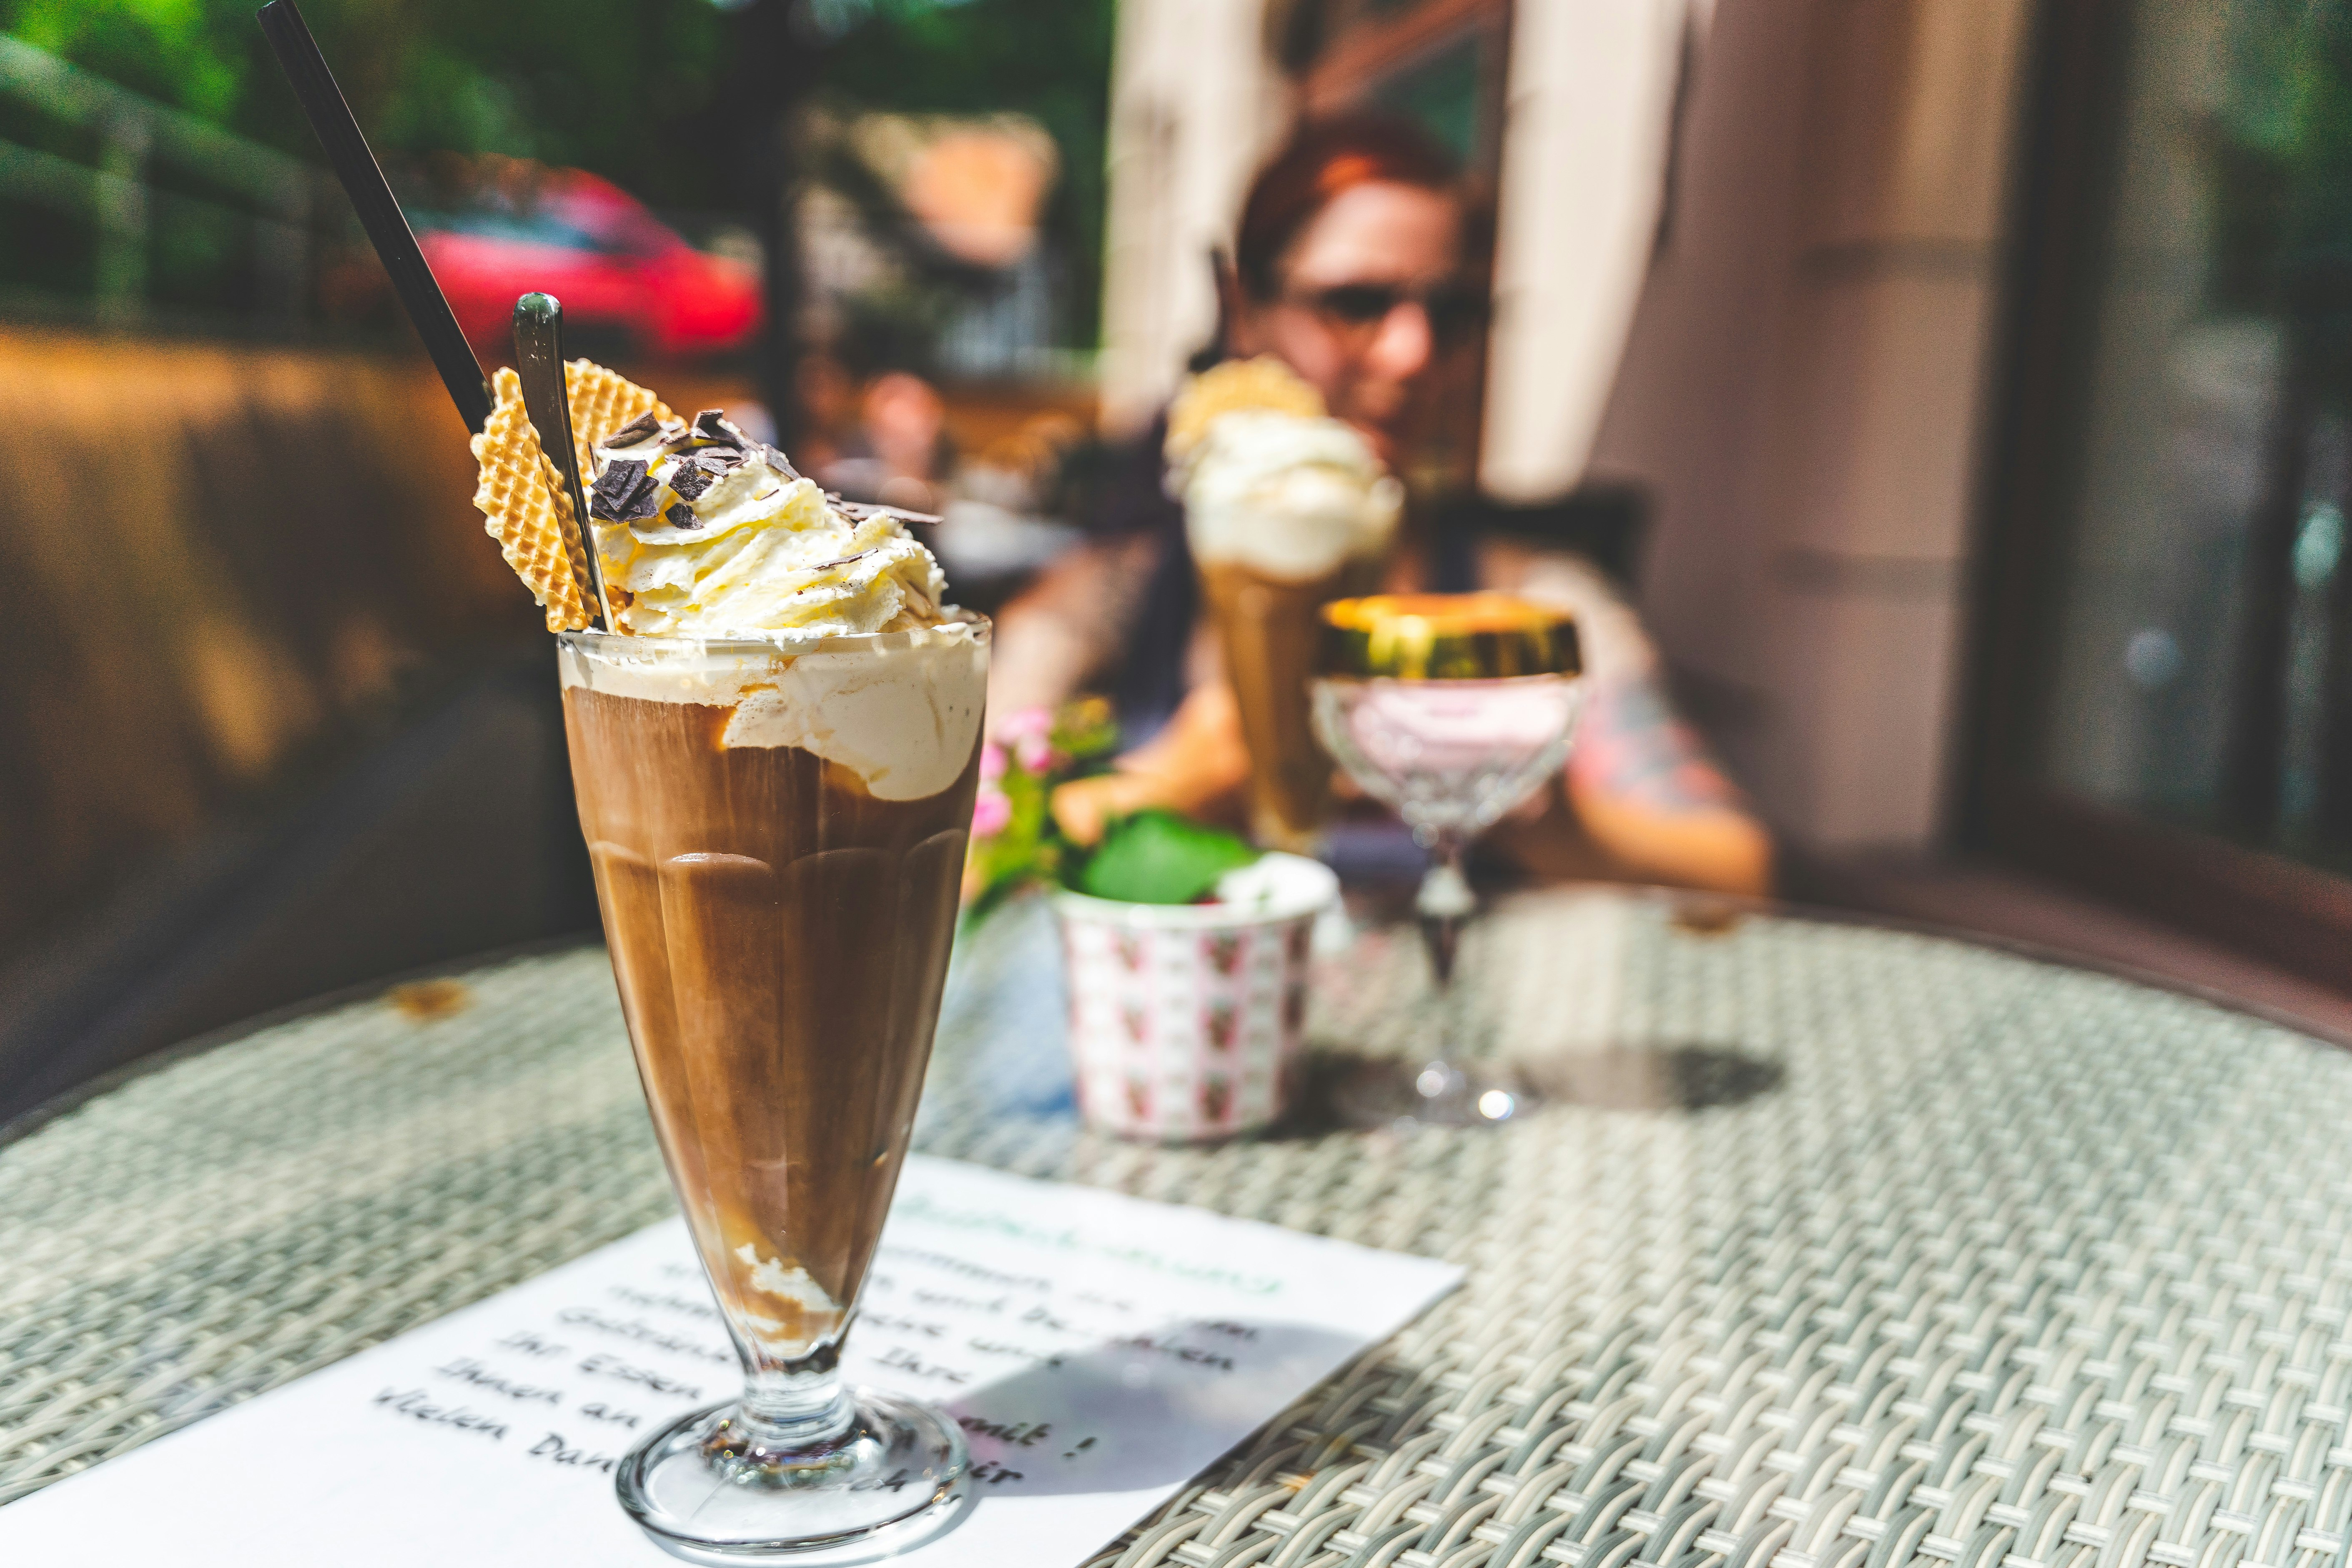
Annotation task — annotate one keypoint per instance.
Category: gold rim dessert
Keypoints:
(1446, 637)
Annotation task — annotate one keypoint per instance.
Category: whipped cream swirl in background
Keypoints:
(709, 533)
(1292, 497)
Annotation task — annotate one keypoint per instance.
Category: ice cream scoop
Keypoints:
(1292, 497)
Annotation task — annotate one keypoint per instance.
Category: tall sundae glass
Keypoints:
(780, 922)
(1451, 709)
(775, 756)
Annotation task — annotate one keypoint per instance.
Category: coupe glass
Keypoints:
(1451, 708)
(778, 909)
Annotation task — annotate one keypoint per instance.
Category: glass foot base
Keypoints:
(1404, 1095)
(893, 1481)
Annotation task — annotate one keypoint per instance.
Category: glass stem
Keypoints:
(796, 1406)
(1445, 901)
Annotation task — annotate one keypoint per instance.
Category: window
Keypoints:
(2168, 647)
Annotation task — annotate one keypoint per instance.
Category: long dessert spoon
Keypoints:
(538, 361)
(379, 211)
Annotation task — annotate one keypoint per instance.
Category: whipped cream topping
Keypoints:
(902, 711)
(904, 725)
(1293, 496)
(705, 532)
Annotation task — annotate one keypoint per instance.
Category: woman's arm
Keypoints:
(1074, 624)
(1651, 797)
(1646, 792)
(1070, 626)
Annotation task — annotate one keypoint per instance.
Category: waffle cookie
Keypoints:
(1262, 384)
(521, 495)
(602, 401)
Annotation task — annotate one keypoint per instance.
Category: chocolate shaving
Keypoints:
(711, 425)
(829, 565)
(624, 492)
(691, 478)
(859, 512)
(613, 486)
(682, 516)
(644, 503)
(778, 461)
(643, 427)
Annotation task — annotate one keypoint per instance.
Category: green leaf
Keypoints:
(1159, 857)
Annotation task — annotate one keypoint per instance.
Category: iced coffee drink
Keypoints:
(779, 898)
(775, 754)
(1285, 511)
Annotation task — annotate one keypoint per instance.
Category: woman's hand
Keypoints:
(1652, 800)
(1198, 765)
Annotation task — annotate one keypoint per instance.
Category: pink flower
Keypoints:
(1029, 733)
(989, 813)
(1034, 754)
(991, 762)
(1023, 723)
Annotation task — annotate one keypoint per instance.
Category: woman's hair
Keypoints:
(1322, 158)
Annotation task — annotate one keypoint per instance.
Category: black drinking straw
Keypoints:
(379, 212)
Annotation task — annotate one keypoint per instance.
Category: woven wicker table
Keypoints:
(1994, 1263)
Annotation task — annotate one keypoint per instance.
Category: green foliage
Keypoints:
(1026, 850)
(1016, 843)
(2287, 84)
(173, 50)
(1159, 858)
(635, 90)
(2282, 146)
(611, 84)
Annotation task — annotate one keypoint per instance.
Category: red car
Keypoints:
(631, 288)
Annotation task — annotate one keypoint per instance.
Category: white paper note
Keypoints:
(1099, 1351)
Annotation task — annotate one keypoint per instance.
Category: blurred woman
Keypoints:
(1358, 262)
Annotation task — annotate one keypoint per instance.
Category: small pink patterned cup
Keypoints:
(1186, 1020)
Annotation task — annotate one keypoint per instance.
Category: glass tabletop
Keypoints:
(1835, 1244)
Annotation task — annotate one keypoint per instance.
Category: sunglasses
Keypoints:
(1455, 310)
